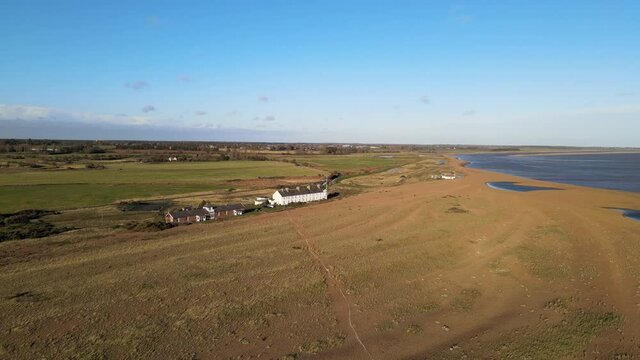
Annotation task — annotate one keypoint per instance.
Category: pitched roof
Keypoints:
(189, 212)
(302, 190)
(230, 207)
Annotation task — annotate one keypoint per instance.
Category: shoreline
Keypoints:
(464, 164)
(595, 152)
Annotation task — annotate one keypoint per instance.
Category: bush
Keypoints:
(148, 226)
(95, 166)
(24, 225)
(152, 205)
(33, 229)
(95, 150)
(23, 217)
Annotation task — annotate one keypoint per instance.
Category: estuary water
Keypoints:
(605, 171)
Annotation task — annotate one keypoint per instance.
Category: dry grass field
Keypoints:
(422, 270)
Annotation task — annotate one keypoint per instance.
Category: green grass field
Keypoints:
(64, 189)
(356, 162)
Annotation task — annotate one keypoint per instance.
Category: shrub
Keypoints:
(95, 166)
(152, 205)
(33, 229)
(148, 226)
(24, 225)
(23, 216)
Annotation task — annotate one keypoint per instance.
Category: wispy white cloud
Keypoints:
(611, 110)
(153, 21)
(137, 85)
(148, 108)
(40, 113)
(28, 121)
(201, 113)
(265, 118)
(460, 15)
(40, 129)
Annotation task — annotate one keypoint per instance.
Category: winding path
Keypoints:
(337, 295)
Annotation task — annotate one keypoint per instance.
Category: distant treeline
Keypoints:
(96, 147)
(50, 146)
(155, 151)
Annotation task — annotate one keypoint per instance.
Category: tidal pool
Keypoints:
(512, 186)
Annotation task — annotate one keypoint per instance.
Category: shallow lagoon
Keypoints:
(631, 214)
(512, 186)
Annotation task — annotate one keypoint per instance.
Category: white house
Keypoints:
(448, 176)
(314, 192)
(210, 208)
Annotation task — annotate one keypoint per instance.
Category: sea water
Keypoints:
(606, 171)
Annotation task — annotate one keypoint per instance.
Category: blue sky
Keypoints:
(472, 72)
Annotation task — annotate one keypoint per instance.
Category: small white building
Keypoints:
(314, 192)
(448, 176)
(210, 208)
(260, 201)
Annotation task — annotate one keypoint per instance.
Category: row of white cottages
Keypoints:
(313, 192)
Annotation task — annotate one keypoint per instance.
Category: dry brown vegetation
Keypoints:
(392, 273)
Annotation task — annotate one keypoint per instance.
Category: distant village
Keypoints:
(283, 196)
